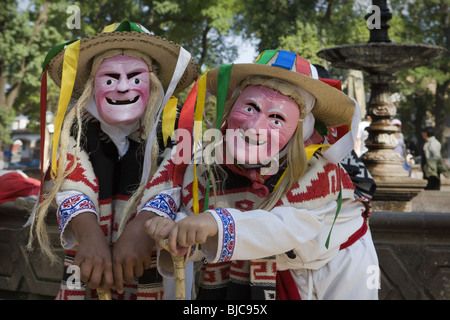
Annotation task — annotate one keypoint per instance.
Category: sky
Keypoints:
(248, 52)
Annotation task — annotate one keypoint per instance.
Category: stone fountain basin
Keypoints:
(381, 57)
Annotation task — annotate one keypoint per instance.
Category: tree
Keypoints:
(20, 35)
(426, 89)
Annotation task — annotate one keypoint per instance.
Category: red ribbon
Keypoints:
(43, 103)
(185, 121)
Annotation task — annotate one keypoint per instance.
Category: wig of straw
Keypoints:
(38, 228)
(296, 155)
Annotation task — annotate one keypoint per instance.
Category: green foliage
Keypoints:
(6, 118)
(425, 22)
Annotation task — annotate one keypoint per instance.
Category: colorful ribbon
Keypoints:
(185, 121)
(183, 61)
(223, 79)
(197, 128)
(69, 73)
(168, 119)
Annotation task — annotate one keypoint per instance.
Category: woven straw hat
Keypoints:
(332, 107)
(126, 35)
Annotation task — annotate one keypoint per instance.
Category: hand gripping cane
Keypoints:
(179, 272)
(178, 266)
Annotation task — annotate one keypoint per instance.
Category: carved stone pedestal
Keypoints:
(395, 188)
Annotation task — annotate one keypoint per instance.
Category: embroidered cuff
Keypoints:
(163, 205)
(70, 208)
(227, 234)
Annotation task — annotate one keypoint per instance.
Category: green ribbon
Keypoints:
(266, 56)
(128, 26)
(321, 128)
(338, 209)
(223, 79)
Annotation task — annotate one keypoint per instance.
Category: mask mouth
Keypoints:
(248, 140)
(122, 102)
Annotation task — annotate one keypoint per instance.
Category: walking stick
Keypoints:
(179, 273)
(104, 294)
(178, 266)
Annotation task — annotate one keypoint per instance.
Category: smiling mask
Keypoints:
(262, 120)
(121, 89)
(121, 93)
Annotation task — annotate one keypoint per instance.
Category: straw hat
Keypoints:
(126, 35)
(332, 107)
(176, 70)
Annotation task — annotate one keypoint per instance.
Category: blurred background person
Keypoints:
(401, 146)
(432, 163)
(362, 135)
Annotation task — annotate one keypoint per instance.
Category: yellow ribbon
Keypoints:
(109, 28)
(279, 180)
(310, 150)
(198, 116)
(168, 119)
(69, 73)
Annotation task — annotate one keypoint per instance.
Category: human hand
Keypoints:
(191, 230)
(93, 253)
(132, 253)
(158, 228)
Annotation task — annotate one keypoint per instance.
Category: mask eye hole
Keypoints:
(276, 116)
(251, 107)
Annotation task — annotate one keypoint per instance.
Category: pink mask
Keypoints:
(263, 121)
(122, 86)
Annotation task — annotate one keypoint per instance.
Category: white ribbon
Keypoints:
(183, 61)
(345, 145)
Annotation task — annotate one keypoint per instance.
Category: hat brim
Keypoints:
(162, 51)
(333, 107)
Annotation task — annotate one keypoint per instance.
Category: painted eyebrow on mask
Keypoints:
(117, 75)
(133, 74)
(113, 75)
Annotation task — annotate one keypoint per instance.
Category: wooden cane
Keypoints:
(179, 272)
(104, 294)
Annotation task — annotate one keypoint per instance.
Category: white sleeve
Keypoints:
(258, 233)
(71, 203)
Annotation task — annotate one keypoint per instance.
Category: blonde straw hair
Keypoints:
(38, 228)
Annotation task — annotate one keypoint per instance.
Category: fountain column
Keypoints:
(395, 188)
(381, 59)
(381, 159)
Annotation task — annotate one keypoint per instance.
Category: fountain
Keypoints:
(380, 59)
